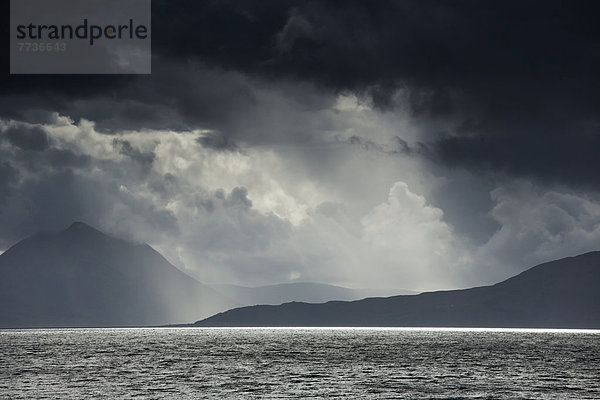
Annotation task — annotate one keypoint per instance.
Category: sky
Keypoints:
(392, 144)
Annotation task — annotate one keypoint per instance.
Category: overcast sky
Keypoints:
(398, 144)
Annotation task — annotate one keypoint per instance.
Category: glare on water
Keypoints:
(299, 363)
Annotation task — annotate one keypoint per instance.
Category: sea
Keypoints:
(276, 363)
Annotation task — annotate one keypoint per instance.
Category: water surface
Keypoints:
(193, 363)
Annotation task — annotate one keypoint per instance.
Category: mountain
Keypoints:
(82, 277)
(299, 291)
(558, 294)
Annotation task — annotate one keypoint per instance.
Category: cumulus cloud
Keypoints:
(161, 187)
(411, 145)
(355, 215)
(416, 243)
(247, 215)
(537, 225)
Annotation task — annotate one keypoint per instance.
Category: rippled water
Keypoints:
(298, 363)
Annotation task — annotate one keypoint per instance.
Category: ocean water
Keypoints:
(190, 363)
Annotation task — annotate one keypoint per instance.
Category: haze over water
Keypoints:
(299, 363)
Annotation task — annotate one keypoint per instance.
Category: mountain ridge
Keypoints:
(557, 294)
(310, 292)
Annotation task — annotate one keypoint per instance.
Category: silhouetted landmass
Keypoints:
(559, 294)
(82, 277)
(309, 292)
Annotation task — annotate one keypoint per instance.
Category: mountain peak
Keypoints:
(81, 231)
(79, 227)
(83, 277)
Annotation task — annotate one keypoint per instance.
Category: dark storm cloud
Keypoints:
(48, 161)
(30, 149)
(27, 138)
(217, 141)
(237, 198)
(143, 158)
(435, 46)
(554, 157)
(517, 81)
(398, 146)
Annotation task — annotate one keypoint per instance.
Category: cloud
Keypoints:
(519, 102)
(143, 158)
(172, 195)
(538, 225)
(217, 141)
(467, 203)
(418, 245)
(335, 212)
(265, 143)
(550, 157)
(27, 138)
(244, 215)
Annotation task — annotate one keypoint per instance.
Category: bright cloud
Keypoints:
(351, 206)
